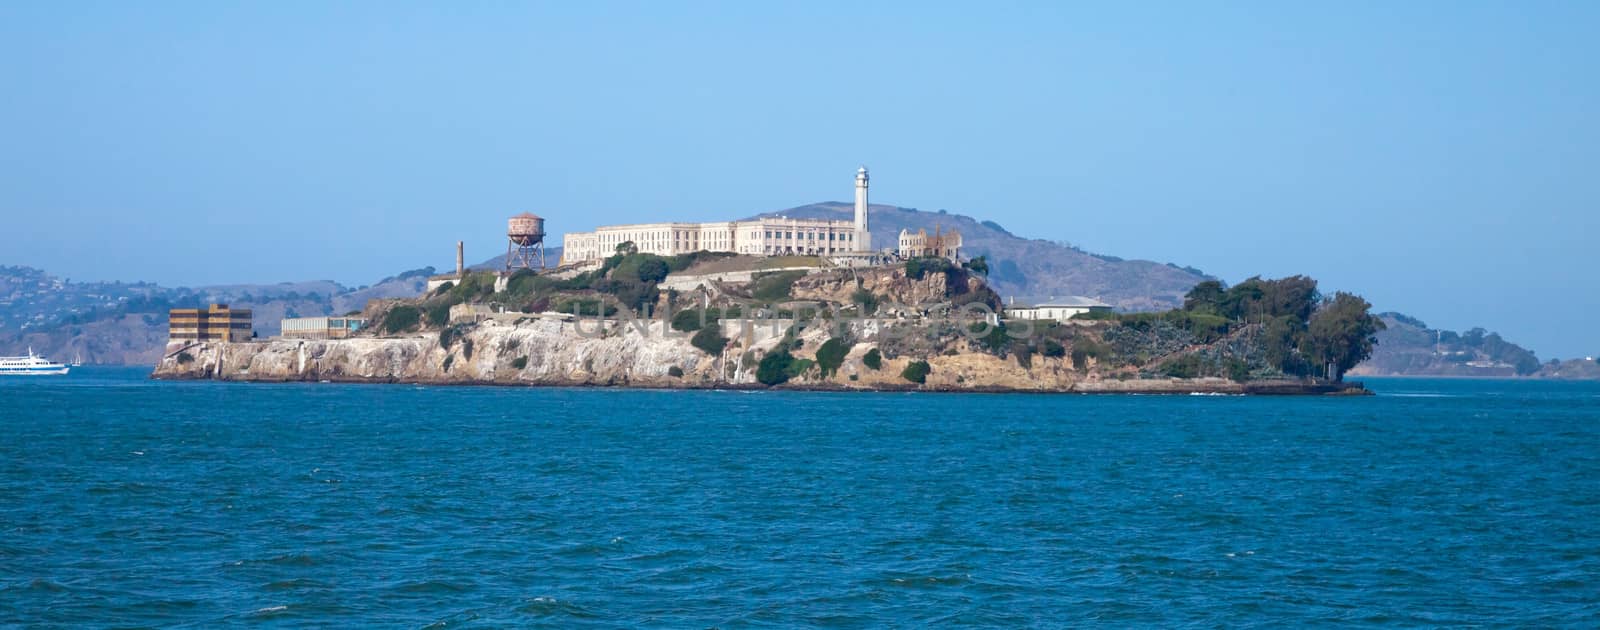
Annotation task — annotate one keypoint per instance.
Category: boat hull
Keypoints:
(41, 372)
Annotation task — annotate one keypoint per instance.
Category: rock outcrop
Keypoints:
(558, 351)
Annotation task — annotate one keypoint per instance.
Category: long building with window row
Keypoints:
(321, 327)
(768, 237)
(773, 236)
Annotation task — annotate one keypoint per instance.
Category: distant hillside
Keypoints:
(552, 257)
(1022, 266)
(1408, 347)
(126, 323)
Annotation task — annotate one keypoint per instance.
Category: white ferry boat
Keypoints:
(30, 365)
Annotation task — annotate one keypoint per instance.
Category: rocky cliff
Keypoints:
(549, 350)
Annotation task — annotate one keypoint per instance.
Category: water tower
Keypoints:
(526, 233)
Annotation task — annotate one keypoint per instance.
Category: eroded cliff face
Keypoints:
(891, 283)
(536, 351)
(550, 351)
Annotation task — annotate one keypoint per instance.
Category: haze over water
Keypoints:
(130, 502)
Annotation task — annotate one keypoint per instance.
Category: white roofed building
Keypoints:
(1056, 308)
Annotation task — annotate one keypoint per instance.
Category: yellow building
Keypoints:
(217, 323)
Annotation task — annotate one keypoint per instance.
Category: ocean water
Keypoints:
(126, 502)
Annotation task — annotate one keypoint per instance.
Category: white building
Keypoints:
(777, 236)
(761, 237)
(320, 327)
(1056, 308)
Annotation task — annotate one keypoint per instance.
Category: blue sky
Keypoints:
(1439, 158)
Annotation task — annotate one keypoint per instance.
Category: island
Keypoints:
(712, 320)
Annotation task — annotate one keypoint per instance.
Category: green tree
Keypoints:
(873, 359)
(1206, 297)
(709, 340)
(867, 300)
(916, 372)
(626, 248)
(1341, 333)
(401, 318)
(774, 368)
(652, 270)
(919, 268)
(979, 265)
(1281, 341)
(831, 355)
(1052, 348)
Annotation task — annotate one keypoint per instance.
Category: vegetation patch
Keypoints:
(919, 268)
(690, 320)
(1052, 349)
(867, 300)
(916, 372)
(709, 340)
(831, 355)
(1085, 349)
(996, 341)
(774, 286)
(448, 336)
(593, 307)
(873, 359)
(401, 318)
(519, 362)
(774, 368)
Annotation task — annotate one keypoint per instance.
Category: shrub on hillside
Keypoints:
(709, 340)
(995, 342)
(873, 359)
(1053, 349)
(867, 300)
(916, 372)
(438, 313)
(774, 286)
(831, 355)
(690, 320)
(774, 368)
(919, 268)
(1085, 349)
(652, 270)
(401, 318)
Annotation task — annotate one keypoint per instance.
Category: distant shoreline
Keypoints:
(1170, 387)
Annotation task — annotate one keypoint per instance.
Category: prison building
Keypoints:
(774, 236)
(216, 323)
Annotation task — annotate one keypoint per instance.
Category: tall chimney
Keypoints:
(461, 259)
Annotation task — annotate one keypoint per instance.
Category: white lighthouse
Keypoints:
(862, 236)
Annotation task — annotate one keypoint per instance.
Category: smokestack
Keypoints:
(461, 259)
